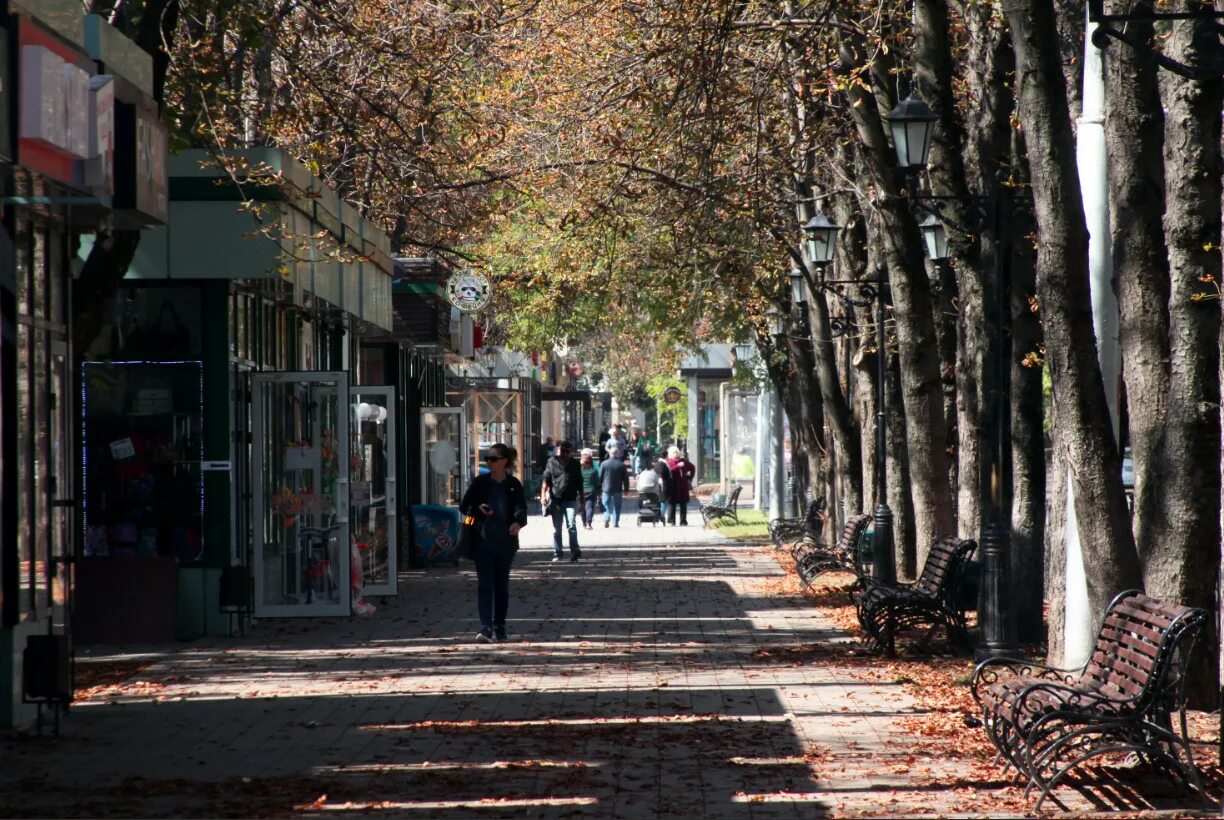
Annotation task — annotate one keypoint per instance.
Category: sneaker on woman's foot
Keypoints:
(485, 635)
(500, 633)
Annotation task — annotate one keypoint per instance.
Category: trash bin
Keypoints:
(436, 531)
(968, 585)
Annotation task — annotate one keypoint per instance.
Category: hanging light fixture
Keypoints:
(936, 236)
(913, 126)
(821, 234)
(798, 287)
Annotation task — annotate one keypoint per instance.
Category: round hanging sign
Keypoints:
(469, 291)
(671, 395)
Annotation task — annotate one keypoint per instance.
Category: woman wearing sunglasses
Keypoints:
(499, 504)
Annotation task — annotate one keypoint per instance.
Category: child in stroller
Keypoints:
(648, 507)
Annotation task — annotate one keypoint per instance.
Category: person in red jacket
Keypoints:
(682, 473)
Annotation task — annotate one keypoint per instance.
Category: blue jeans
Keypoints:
(567, 510)
(612, 507)
(493, 584)
(588, 510)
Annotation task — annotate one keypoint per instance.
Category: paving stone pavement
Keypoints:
(634, 687)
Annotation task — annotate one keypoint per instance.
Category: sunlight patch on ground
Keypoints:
(768, 761)
(622, 721)
(780, 797)
(436, 805)
(451, 765)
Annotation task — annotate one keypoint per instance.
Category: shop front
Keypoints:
(285, 457)
(62, 178)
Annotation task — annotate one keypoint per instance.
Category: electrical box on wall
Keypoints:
(47, 675)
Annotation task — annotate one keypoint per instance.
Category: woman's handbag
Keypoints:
(469, 538)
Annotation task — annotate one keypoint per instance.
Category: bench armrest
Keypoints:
(1074, 698)
(991, 670)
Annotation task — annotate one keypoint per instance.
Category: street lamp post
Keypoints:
(820, 234)
(913, 123)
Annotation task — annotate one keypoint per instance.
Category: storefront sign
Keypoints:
(53, 104)
(468, 290)
(6, 122)
(140, 162)
(671, 395)
(100, 168)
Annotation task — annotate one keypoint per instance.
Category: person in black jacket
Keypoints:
(560, 496)
(498, 502)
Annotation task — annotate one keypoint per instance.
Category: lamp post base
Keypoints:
(884, 565)
(996, 616)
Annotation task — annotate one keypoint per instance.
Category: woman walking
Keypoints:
(590, 486)
(682, 472)
(498, 502)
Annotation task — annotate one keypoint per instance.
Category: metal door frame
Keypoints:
(340, 379)
(387, 394)
(460, 451)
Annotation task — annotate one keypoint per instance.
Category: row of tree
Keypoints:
(636, 175)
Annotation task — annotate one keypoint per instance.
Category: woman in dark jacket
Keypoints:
(498, 502)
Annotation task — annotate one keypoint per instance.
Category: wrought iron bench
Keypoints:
(813, 559)
(713, 512)
(884, 609)
(808, 527)
(1046, 721)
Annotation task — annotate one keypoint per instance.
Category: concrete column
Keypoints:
(777, 466)
(694, 428)
(1079, 627)
(760, 484)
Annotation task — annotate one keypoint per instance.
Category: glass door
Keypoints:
(372, 492)
(443, 469)
(299, 480)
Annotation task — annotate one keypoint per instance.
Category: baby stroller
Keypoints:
(648, 508)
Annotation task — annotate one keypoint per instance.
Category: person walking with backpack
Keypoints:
(560, 496)
(498, 502)
(590, 485)
(614, 480)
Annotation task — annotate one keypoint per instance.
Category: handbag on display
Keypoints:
(469, 538)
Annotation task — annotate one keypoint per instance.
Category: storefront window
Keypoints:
(142, 446)
(25, 462)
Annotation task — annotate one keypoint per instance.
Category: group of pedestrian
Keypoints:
(497, 501)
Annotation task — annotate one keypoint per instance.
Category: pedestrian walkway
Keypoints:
(646, 680)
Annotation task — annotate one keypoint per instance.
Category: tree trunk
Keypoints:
(988, 106)
(899, 247)
(1084, 435)
(900, 484)
(1056, 558)
(1028, 513)
(1181, 561)
(1134, 133)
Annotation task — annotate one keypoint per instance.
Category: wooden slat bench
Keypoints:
(1046, 721)
(808, 527)
(713, 512)
(813, 559)
(885, 609)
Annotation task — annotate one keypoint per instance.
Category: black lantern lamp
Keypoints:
(936, 237)
(798, 287)
(821, 234)
(913, 126)
(775, 319)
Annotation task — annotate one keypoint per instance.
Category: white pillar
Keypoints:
(1079, 624)
(694, 429)
(777, 457)
(759, 482)
(765, 440)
